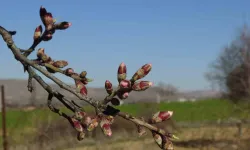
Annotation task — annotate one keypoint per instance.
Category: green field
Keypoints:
(206, 110)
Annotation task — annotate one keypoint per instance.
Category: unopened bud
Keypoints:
(62, 25)
(79, 115)
(60, 64)
(141, 85)
(108, 87)
(83, 74)
(38, 33)
(46, 18)
(142, 72)
(40, 53)
(81, 88)
(125, 84)
(167, 144)
(158, 139)
(105, 126)
(76, 124)
(122, 72)
(161, 116)
(93, 124)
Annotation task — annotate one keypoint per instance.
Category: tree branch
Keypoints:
(124, 88)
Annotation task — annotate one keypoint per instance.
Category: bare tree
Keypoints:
(80, 120)
(164, 90)
(231, 70)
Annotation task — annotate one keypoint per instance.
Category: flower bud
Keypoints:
(79, 115)
(167, 144)
(125, 84)
(142, 72)
(83, 74)
(40, 53)
(38, 33)
(158, 139)
(46, 18)
(76, 124)
(114, 101)
(80, 136)
(46, 59)
(141, 85)
(105, 126)
(93, 124)
(60, 64)
(123, 95)
(110, 119)
(108, 87)
(62, 25)
(86, 121)
(81, 88)
(161, 116)
(69, 71)
(122, 72)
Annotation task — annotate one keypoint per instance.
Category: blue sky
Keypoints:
(179, 38)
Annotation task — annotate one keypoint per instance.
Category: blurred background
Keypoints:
(200, 52)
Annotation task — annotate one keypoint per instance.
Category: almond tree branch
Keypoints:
(124, 88)
(16, 51)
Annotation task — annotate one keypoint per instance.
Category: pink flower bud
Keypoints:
(62, 25)
(141, 85)
(60, 64)
(93, 124)
(86, 121)
(161, 116)
(81, 88)
(38, 33)
(122, 72)
(76, 124)
(142, 72)
(46, 18)
(105, 126)
(123, 95)
(79, 115)
(125, 84)
(108, 87)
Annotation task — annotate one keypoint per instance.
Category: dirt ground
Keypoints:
(207, 138)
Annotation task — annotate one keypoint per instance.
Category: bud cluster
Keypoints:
(50, 26)
(83, 123)
(125, 85)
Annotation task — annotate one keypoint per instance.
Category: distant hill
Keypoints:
(17, 93)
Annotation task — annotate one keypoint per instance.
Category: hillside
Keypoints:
(17, 93)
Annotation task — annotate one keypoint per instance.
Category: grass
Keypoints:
(206, 110)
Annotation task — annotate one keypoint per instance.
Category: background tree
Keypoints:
(164, 90)
(231, 70)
